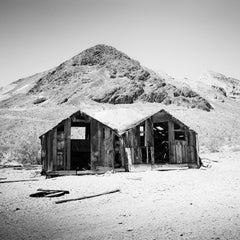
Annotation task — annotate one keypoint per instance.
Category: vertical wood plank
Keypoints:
(171, 145)
(177, 150)
(54, 149)
(136, 145)
(99, 135)
(193, 147)
(67, 151)
(43, 152)
(94, 144)
(106, 146)
(50, 151)
(129, 158)
(152, 155)
(197, 151)
(147, 154)
(149, 136)
(46, 145)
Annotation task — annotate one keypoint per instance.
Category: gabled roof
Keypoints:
(61, 122)
(151, 115)
(122, 119)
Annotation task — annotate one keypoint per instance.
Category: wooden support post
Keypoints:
(43, 153)
(147, 155)
(99, 134)
(129, 158)
(197, 151)
(149, 136)
(49, 155)
(149, 140)
(152, 155)
(171, 140)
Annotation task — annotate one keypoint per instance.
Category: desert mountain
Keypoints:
(212, 86)
(102, 74)
(103, 78)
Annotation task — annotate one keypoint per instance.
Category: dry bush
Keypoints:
(25, 152)
(235, 148)
(214, 144)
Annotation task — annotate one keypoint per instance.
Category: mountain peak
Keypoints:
(105, 75)
(99, 55)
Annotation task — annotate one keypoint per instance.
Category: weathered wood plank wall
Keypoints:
(171, 143)
(54, 149)
(102, 144)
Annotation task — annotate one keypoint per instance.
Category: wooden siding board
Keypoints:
(108, 147)
(99, 149)
(46, 144)
(94, 144)
(136, 151)
(193, 147)
(171, 144)
(152, 155)
(149, 138)
(50, 151)
(43, 152)
(67, 152)
(54, 149)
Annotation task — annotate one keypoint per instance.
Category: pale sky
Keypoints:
(183, 38)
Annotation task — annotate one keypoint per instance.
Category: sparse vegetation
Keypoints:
(25, 152)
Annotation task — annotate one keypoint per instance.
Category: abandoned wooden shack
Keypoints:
(82, 142)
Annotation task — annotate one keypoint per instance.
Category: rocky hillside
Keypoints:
(102, 78)
(103, 74)
(211, 85)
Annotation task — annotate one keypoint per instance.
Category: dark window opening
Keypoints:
(176, 126)
(179, 133)
(180, 136)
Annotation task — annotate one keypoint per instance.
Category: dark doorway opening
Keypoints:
(80, 146)
(161, 147)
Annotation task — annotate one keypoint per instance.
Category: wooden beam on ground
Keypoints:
(50, 190)
(86, 197)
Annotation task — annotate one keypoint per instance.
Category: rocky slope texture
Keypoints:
(212, 86)
(221, 85)
(102, 74)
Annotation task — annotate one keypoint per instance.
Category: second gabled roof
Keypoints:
(122, 119)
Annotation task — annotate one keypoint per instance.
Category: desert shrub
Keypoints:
(25, 152)
(214, 144)
(235, 148)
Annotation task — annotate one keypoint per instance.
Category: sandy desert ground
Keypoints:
(181, 204)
